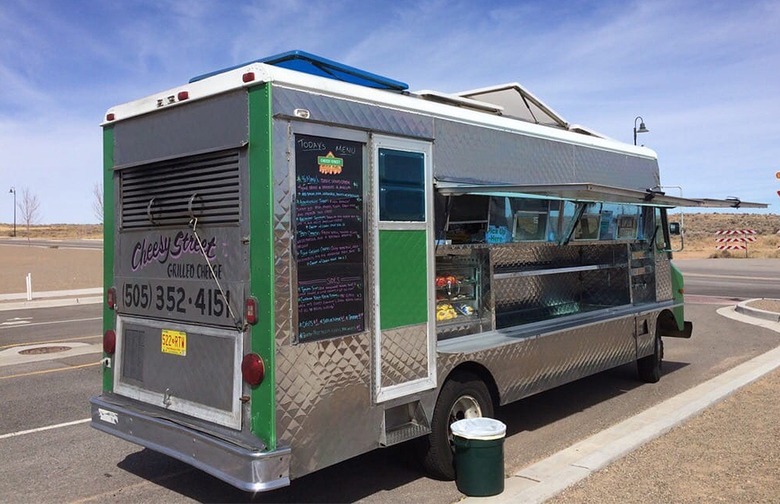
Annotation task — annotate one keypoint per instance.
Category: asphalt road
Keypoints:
(739, 278)
(72, 462)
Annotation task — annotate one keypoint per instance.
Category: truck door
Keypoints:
(404, 344)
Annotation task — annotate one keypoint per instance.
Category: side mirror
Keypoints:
(674, 228)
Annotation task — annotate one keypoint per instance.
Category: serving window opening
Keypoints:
(508, 260)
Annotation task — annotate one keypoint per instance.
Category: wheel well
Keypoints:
(666, 323)
(481, 372)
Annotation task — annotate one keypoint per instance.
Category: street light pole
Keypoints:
(642, 128)
(13, 190)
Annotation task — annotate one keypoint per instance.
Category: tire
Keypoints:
(462, 396)
(649, 367)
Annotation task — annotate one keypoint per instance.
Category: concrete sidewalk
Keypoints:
(647, 457)
(47, 299)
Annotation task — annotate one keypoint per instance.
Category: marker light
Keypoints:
(252, 369)
(111, 298)
(183, 95)
(250, 310)
(110, 116)
(109, 342)
(248, 77)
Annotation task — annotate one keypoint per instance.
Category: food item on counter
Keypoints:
(446, 281)
(445, 311)
(465, 309)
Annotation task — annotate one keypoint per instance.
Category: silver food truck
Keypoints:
(305, 261)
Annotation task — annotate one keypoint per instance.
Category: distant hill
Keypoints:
(54, 231)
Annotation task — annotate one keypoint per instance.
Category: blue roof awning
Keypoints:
(308, 63)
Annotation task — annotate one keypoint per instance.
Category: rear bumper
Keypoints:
(252, 471)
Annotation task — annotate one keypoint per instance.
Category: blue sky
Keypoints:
(704, 75)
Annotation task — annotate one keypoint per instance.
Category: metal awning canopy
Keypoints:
(591, 193)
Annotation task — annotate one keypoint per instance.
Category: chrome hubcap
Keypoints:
(465, 407)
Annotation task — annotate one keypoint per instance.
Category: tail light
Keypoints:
(248, 77)
(111, 298)
(252, 369)
(250, 310)
(109, 342)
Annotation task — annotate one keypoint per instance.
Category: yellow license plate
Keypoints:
(174, 342)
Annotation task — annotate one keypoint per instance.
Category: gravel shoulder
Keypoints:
(728, 453)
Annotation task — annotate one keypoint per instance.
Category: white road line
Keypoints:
(41, 429)
(732, 277)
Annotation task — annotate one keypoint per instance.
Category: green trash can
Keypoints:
(479, 456)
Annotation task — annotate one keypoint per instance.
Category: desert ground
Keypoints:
(51, 268)
(700, 235)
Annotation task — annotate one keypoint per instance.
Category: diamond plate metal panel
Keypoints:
(663, 277)
(320, 386)
(645, 338)
(323, 398)
(536, 297)
(355, 114)
(283, 197)
(529, 365)
(606, 287)
(543, 255)
(642, 272)
(404, 354)
(505, 157)
(522, 296)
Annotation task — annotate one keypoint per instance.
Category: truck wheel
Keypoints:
(650, 367)
(462, 396)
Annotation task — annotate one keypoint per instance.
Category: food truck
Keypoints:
(305, 261)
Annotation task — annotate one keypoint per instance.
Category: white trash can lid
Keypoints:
(485, 429)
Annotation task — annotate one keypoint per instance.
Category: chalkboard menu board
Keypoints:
(329, 237)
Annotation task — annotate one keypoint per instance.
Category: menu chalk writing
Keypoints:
(329, 237)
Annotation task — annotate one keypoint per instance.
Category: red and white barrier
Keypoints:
(741, 239)
(736, 232)
(738, 238)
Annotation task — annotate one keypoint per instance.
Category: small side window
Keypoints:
(401, 186)
(589, 225)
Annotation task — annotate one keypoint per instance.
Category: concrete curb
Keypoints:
(50, 303)
(545, 479)
(53, 294)
(51, 299)
(756, 312)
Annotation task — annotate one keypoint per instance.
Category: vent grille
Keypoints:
(171, 192)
